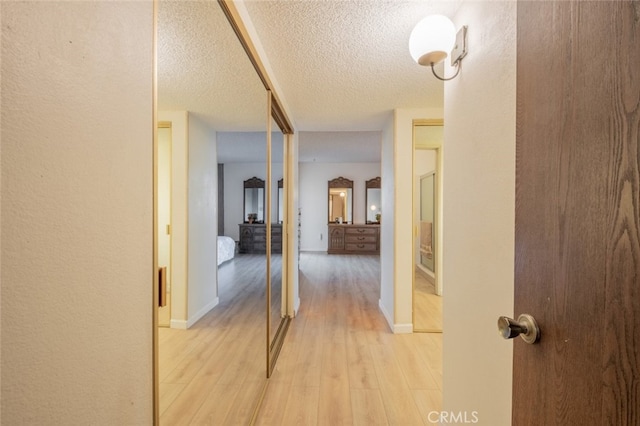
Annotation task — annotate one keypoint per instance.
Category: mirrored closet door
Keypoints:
(277, 295)
(210, 359)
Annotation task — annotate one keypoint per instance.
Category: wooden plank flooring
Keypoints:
(340, 364)
(427, 305)
(214, 372)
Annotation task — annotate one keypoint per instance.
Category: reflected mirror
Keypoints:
(340, 200)
(254, 200)
(372, 200)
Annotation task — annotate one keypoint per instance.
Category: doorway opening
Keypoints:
(427, 208)
(163, 221)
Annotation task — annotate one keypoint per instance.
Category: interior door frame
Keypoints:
(437, 147)
(163, 125)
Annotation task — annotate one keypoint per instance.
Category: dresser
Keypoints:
(253, 238)
(354, 239)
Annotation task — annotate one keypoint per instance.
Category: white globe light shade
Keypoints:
(432, 39)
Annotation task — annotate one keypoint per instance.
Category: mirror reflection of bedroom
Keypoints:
(212, 336)
(427, 285)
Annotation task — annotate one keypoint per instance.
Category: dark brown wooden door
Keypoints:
(577, 265)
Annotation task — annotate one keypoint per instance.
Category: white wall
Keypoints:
(203, 220)
(479, 203)
(403, 224)
(77, 209)
(234, 176)
(314, 191)
(387, 241)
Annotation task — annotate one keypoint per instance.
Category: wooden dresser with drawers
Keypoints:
(353, 239)
(253, 238)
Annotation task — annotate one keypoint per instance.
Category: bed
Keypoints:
(226, 249)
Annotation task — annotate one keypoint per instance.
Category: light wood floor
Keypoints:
(427, 305)
(214, 372)
(340, 364)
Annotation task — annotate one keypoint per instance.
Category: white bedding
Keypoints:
(226, 249)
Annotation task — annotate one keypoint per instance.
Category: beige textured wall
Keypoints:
(76, 213)
(479, 203)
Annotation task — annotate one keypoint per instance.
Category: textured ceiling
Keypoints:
(345, 64)
(203, 69)
(342, 66)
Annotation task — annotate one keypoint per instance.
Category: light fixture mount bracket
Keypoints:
(459, 50)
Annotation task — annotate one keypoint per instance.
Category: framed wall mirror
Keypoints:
(340, 200)
(254, 198)
(372, 200)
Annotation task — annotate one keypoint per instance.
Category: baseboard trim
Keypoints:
(395, 328)
(202, 312)
(183, 325)
(386, 314)
(427, 273)
(296, 307)
(179, 324)
(403, 328)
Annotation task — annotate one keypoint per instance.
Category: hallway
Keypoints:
(341, 364)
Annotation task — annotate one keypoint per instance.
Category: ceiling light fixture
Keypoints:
(433, 39)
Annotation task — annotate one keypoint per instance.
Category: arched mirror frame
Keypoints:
(339, 183)
(372, 211)
(250, 184)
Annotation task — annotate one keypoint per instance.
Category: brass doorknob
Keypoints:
(526, 327)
